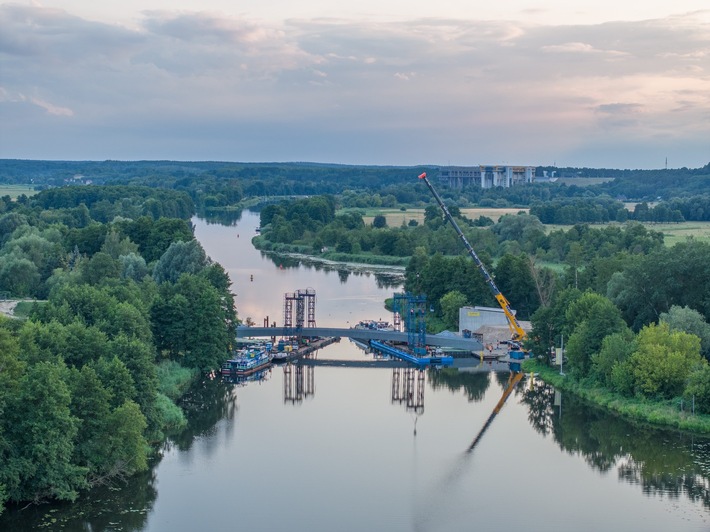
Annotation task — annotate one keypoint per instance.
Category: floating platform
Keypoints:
(306, 349)
(437, 360)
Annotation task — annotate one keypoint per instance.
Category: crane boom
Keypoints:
(516, 330)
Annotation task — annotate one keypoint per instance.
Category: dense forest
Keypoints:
(132, 312)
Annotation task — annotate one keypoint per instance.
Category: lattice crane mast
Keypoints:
(517, 332)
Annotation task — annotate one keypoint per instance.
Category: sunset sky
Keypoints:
(388, 82)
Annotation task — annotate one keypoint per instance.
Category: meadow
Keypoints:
(396, 217)
(16, 190)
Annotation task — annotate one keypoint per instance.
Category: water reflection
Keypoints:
(260, 377)
(474, 385)
(120, 506)
(221, 216)
(665, 463)
(299, 383)
(408, 388)
(205, 404)
(385, 277)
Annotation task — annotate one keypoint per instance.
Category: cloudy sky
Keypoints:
(594, 83)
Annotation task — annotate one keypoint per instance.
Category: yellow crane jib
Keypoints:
(517, 332)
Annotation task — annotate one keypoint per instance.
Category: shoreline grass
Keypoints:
(663, 414)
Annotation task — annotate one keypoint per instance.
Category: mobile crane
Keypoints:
(517, 332)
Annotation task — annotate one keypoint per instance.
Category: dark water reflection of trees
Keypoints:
(126, 505)
(122, 506)
(661, 462)
(474, 385)
(228, 217)
(384, 278)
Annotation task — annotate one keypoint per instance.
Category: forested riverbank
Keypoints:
(133, 312)
(130, 308)
(671, 413)
(633, 312)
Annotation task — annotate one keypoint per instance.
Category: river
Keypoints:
(337, 448)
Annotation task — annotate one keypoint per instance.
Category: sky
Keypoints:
(603, 84)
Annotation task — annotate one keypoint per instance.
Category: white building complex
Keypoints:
(473, 318)
(487, 176)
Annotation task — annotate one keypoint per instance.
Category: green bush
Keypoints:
(174, 379)
(698, 389)
(170, 416)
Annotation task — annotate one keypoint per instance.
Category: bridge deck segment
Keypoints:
(456, 342)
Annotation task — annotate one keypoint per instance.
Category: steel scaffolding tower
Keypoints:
(413, 309)
(305, 302)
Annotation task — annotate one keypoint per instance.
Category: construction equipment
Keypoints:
(517, 332)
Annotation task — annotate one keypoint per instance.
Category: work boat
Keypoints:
(374, 325)
(247, 361)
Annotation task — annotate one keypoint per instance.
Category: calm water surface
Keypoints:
(346, 454)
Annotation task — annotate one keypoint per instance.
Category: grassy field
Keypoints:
(672, 232)
(583, 181)
(15, 190)
(396, 217)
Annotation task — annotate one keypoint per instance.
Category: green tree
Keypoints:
(133, 266)
(117, 379)
(180, 257)
(19, 276)
(379, 221)
(549, 324)
(691, 321)
(450, 304)
(115, 246)
(515, 281)
(91, 406)
(127, 448)
(198, 315)
(43, 432)
(698, 389)
(11, 372)
(591, 318)
(664, 360)
(139, 359)
(616, 350)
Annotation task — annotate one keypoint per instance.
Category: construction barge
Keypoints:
(286, 352)
(419, 361)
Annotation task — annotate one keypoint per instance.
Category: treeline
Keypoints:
(652, 185)
(603, 210)
(665, 361)
(135, 310)
(107, 202)
(53, 228)
(312, 225)
(215, 185)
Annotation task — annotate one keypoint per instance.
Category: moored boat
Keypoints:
(247, 361)
(374, 325)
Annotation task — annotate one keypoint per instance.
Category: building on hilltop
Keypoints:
(487, 176)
